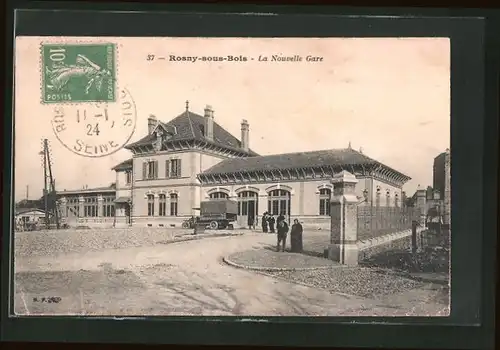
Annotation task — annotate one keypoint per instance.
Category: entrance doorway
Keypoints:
(248, 206)
(279, 203)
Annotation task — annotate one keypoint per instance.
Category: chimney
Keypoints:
(209, 123)
(245, 130)
(152, 121)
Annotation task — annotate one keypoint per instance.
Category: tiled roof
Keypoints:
(189, 126)
(332, 157)
(126, 164)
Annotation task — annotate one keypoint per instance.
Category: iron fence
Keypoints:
(374, 221)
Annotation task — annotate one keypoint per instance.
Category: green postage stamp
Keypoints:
(78, 73)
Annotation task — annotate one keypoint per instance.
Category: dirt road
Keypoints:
(185, 278)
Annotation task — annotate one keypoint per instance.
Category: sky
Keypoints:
(389, 97)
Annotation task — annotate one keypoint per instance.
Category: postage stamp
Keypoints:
(78, 72)
(96, 129)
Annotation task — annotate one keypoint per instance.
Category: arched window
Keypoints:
(377, 198)
(279, 202)
(396, 200)
(151, 205)
(162, 203)
(219, 195)
(173, 204)
(248, 203)
(387, 198)
(324, 201)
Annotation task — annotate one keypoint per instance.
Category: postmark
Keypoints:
(78, 72)
(96, 129)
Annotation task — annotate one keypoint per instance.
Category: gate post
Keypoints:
(344, 220)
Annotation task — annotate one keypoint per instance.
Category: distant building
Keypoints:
(192, 158)
(88, 206)
(439, 174)
(437, 197)
(30, 215)
(447, 189)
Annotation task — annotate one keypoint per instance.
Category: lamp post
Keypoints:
(365, 196)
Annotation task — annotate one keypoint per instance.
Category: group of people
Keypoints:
(268, 223)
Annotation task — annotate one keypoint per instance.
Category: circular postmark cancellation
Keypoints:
(96, 129)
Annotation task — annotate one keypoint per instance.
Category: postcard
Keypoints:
(160, 176)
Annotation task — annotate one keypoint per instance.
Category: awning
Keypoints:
(122, 200)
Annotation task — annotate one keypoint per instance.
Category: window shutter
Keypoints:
(178, 171)
(144, 170)
(155, 169)
(167, 168)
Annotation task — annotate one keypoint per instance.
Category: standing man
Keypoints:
(264, 222)
(282, 231)
(271, 221)
(281, 217)
(251, 222)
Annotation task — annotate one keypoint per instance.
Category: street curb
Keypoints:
(262, 268)
(311, 286)
(428, 280)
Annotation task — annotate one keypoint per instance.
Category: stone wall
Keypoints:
(395, 241)
(401, 240)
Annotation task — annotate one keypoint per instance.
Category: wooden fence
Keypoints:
(374, 221)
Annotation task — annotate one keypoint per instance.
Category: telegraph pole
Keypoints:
(45, 190)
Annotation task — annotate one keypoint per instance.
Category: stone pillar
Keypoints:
(263, 200)
(100, 201)
(344, 226)
(421, 205)
(81, 200)
(156, 205)
(64, 203)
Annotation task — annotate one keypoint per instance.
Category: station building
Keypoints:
(192, 158)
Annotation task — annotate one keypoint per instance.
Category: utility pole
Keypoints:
(45, 190)
(49, 187)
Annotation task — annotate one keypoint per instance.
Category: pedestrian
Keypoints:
(282, 231)
(264, 222)
(251, 222)
(271, 221)
(281, 217)
(296, 237)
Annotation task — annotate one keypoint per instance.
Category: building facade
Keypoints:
(192, 158)
(438, 174)
(91, 207)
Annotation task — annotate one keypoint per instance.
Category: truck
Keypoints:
(218, 214)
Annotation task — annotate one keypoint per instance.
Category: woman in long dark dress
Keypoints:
(296, 237)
